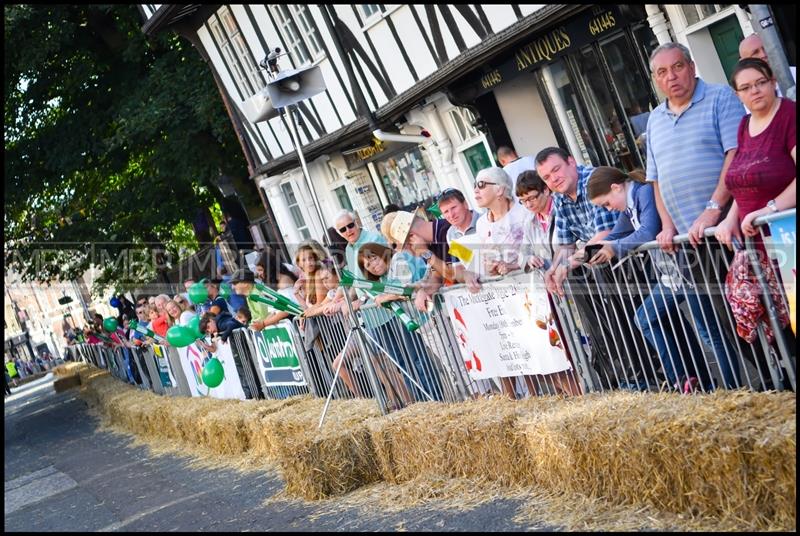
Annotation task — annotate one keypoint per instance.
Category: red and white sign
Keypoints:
(506, 329)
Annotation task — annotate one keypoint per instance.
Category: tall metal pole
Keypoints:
(764, 25)
(362, 347)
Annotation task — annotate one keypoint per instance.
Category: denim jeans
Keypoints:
(660, 320)
(723, 348)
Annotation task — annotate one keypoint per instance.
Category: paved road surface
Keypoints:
(63, 474)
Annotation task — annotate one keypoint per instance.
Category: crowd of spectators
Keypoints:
(708, 163)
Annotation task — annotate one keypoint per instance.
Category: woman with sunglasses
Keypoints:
(502, 226)
(501, 230)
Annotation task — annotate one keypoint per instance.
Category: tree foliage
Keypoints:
(112, 141)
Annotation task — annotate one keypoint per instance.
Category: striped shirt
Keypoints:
(580, 219)
(685, 152)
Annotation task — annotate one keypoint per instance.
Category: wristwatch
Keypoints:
(426, 255)
(713, 205)
(772, 205)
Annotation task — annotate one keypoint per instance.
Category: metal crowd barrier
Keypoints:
(138, 366)
(650, 322)
(656, 321)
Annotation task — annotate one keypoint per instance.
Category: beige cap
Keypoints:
(395, 226)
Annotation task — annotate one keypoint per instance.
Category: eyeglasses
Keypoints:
(346, 227)
(480, 185)
(530, 199)
(758, 85)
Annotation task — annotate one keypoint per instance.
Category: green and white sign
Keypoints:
(277, 357)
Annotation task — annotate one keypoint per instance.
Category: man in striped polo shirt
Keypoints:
(691, 140)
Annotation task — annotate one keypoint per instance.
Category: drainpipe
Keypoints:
(764, 25)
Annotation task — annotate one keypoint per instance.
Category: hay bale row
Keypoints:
(67, 382)
(329, 462)
(723, 455)
(728, 455)
(68, 369)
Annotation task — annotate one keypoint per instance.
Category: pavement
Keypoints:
(64, 473)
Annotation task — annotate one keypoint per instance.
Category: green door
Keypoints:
(727, 34)
(477, 158)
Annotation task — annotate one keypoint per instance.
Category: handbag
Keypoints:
(743, 292)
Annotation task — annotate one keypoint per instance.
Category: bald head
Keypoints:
(752, 47)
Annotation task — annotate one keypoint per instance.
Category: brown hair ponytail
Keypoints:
(604, 176)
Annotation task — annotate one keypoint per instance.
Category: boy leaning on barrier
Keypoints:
(218, 326)
(420, 245)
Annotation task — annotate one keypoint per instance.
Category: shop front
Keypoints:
(402, 171)
(588, 76)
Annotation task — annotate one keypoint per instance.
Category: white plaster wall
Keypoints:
(524, 115)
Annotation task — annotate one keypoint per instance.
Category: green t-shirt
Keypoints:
(258, 310)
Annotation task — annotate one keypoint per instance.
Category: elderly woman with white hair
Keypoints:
(501, 230)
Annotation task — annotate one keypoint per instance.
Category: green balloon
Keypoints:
(110, 324)
(213, 373)
(194, 326)
(198, 293)
(180, 336)
(225, 291)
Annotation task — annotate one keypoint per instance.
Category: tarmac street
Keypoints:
(64, 473)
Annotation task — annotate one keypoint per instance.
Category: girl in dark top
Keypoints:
(658, 317)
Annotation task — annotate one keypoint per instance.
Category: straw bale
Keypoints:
(223, 427)
(68, 369)
(728, 454)
(182, 424)
(474, 439)
(329, 462)
(67, 382)
(262, 443)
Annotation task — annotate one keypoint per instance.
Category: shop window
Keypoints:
(408, 178)
(294, 210)
(246, 73)
(344, 199)
(694, 13)
(463, 120)
(299, 32)
(635, 94)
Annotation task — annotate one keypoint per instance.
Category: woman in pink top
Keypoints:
(762, 176)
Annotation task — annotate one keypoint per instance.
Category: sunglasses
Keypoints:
(480, 185)
(346, 227)
(446, 192)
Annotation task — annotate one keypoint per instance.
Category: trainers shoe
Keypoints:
(690, 386)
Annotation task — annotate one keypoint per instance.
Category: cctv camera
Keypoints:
(270, 63)
(416, 130)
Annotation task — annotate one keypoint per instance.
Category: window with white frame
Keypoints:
(463, 119)
(294, 210)
(234, 48)
(694, 13)
(299, 33)
(369, 10)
